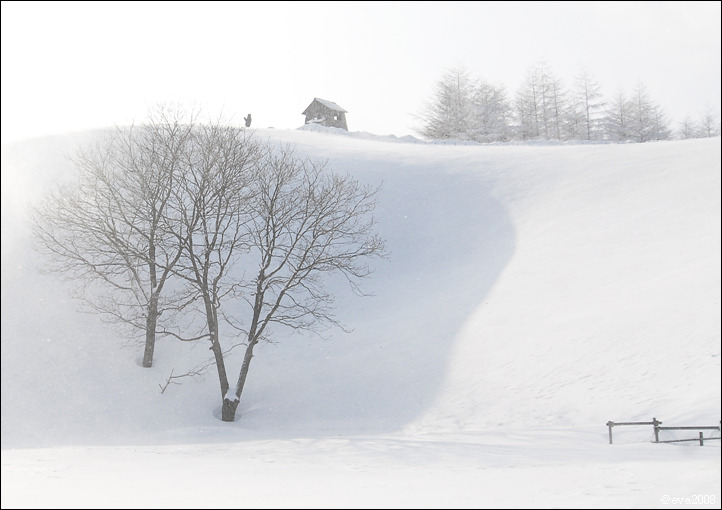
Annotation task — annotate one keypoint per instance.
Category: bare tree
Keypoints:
(166, 221)
(213, 200)
(303, 224)
(108, 233)
(251, 210)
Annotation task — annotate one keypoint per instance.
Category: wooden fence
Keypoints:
(657, 428)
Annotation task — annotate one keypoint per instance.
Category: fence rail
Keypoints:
(657, 428)
(701, 438)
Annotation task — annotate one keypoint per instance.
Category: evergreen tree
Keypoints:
(588, 106)
(619, 118)
(709, 124)
(556, 107)
(528, 107)
(687, 129)
(660, 125)
(490, 120)
(449, 112)
(641, 125)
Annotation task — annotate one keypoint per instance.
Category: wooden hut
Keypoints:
(325, 113)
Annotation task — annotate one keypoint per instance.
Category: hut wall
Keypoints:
(330, 118)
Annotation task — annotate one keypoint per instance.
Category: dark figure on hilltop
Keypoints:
(248, 120)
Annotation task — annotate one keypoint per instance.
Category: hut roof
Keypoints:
(328, 104)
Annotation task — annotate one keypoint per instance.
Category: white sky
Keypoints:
(78, 65)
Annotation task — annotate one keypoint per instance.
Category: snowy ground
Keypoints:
(534, 292)
(516, 469)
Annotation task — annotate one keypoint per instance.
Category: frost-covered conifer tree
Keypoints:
(587, 109)
(641, 123)
(448, 114)
(528, 107)
(619, 118)
(490, 120)
(709, 123)
(687, 129)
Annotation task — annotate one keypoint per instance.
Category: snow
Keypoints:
(533, 293)
(330, 105)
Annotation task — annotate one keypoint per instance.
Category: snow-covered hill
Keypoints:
(529, 287)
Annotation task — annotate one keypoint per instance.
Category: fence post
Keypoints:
(610, 424)
(701, 439)
(656, 425)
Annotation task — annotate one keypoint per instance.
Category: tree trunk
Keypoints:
(220, 364)
(244, 368)
(212, 319)
(229, 406)
(151, 320)
(228, 412)
(150, 324)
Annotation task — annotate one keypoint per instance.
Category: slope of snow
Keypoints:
(532, 294)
